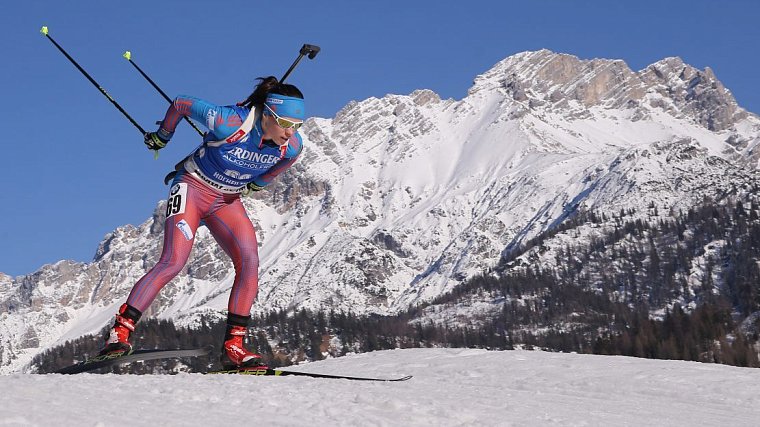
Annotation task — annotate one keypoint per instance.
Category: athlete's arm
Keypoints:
(295, 146)
(221, 121)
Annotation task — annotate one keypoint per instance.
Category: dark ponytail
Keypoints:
(266, 86)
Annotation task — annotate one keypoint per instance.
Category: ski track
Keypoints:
(451, 387)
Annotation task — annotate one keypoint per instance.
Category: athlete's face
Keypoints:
(278, 128)
(275, 132)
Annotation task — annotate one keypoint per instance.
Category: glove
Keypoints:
(154, 141)
(251, 187)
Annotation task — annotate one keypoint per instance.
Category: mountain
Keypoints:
(397, 200)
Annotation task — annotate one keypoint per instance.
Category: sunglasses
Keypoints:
(284, 123)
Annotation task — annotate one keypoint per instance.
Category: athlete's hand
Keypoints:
(251, 187)
(154, 142)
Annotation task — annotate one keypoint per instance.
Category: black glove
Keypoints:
(251, 187)
(154, 142)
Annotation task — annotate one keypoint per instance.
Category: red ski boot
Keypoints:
(234, 355)
(117, 342)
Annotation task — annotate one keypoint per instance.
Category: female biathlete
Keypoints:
(246, 147)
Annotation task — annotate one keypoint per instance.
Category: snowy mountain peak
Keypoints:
(696, 93)
(556, 82)
(544, 76)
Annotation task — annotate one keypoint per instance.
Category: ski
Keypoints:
(105, 361)
(280, 373)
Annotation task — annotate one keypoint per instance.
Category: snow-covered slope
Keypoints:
(397, 200)
(451, 387)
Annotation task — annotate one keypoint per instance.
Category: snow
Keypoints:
(451, 387)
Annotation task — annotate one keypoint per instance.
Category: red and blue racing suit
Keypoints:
(207, 189)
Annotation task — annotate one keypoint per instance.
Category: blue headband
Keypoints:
(286, 106)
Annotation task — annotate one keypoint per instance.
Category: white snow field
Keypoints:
(451, 387)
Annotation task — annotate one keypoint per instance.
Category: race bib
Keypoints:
(177, 199)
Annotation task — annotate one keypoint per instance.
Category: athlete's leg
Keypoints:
(234, 232)
(185, 207)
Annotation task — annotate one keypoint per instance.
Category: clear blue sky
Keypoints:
(73, 168)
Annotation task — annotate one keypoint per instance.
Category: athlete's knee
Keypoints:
(169, 268)
(250, 258)
(246, 259)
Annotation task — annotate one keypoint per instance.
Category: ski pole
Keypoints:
(307, 49)
(44, 31)
(128, 56)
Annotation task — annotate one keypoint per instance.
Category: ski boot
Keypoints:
(234, 355)
(117, 343)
